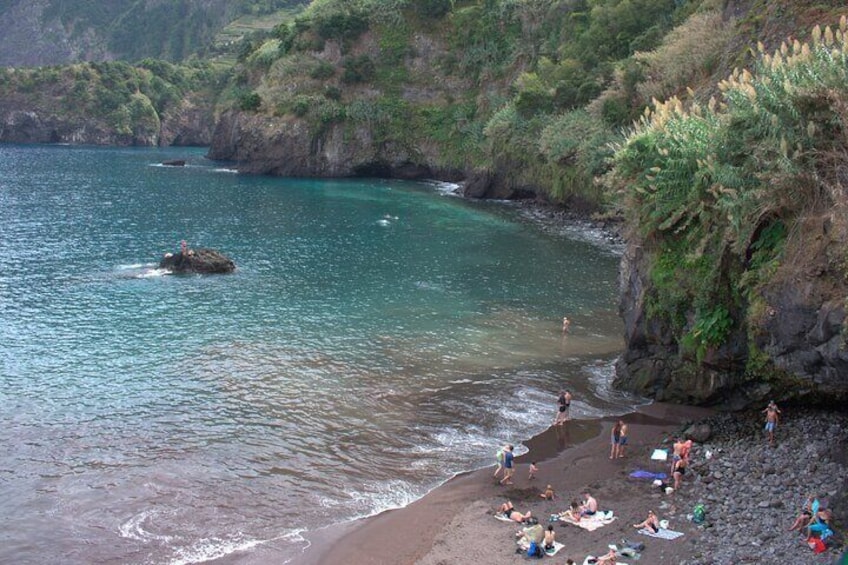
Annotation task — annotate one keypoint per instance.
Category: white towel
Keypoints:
(589, 558)
(591, 523)
(662, 534)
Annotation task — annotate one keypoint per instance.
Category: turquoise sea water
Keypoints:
(377, 338)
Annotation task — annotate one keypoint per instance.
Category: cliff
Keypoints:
(735, 279)
(107, 104)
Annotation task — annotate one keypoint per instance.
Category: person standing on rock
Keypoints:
(772, 413)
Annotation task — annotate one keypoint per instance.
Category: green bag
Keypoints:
(699, 514)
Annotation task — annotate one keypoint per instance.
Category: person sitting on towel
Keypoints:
(550, 536)
(507, 510)
(589, 506)
(651, 522)
(608, 559)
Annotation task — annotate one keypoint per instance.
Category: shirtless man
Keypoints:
(589, 506)
(772, 413)
(565, 325)
(622, 438)
(677, 452)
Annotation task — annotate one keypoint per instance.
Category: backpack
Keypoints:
(535, 550)
(699, 514)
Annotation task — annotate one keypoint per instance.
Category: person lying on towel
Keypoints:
(507, 510)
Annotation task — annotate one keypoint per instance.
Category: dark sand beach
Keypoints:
(455, 523)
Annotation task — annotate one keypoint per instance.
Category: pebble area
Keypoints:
(752, 491)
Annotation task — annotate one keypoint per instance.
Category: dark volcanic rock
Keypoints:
(801, 333)
(174, 163)
(201, 261)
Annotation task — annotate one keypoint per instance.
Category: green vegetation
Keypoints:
(720, 191)
(173, 30)
(114, 96)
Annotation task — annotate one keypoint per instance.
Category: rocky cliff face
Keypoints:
(799, 337)
(20, 122)
(288, 146)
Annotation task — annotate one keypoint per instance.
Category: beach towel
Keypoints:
(590, 560)
(591, 523)
(659, 455)
(662, 534)
(640, 474)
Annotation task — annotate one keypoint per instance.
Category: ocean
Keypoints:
(377, 338)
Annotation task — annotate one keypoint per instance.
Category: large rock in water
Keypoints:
(201, 261)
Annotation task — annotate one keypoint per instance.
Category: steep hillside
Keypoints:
(155, 103)
(52, 32)
(490, 89)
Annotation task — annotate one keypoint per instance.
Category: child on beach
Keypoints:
(533, 470)
(548, 494)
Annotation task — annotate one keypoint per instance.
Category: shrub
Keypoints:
(250, 102)
(357, 69)
(322, 71)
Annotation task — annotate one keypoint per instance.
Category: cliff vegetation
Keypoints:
(52, 32)
(716, 129)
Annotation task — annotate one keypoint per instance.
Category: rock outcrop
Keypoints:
(800, 339)
(24, 120)
(288, 146)
(198, 261)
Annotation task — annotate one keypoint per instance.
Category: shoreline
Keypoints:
(570, 457)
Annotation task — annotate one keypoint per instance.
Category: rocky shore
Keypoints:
(753, 492)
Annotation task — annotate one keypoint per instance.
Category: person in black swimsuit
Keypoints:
(651, 522)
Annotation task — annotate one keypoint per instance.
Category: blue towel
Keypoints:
(640, 474)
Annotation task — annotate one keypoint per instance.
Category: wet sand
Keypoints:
(455, 523)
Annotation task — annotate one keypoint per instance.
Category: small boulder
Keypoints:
(199, 261)
(699, 433)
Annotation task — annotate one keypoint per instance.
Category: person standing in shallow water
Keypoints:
(772, 413)
(562, 408)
